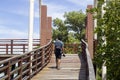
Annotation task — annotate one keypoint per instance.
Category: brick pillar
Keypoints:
(90, 31)
(86, 30)
(49, 28)
(43, 32)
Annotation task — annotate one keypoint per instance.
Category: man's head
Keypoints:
(59, 38)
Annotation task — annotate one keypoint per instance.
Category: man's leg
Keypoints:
(56, 58)
(59, 61)
(56, 62)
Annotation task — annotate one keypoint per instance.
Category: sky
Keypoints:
(14, 15)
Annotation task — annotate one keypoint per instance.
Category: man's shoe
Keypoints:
(58, 68)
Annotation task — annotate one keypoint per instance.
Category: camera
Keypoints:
(63, 55)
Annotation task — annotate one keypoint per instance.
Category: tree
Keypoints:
(109, 26)
(75, 21)
(61, 29)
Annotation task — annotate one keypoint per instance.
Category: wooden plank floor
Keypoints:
(71, 69)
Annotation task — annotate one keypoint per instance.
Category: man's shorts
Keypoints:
(58, 53)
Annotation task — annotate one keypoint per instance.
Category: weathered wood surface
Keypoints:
(3, 57)
(71, 69)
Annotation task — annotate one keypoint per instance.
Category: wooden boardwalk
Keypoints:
(72, 68)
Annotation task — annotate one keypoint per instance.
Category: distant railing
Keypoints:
(71, 48)
(20, 46)
(25, 66)
(86, 55)
(16, 46)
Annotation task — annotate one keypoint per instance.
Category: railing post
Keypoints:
(6, 48)
(23, 48)
(75, 48)
(20, 71)
(7, 72)
(35, 62)
(48, 54)
(43, 56)
(51, 49)
(30, 65)
(11, 46)
(12, 68)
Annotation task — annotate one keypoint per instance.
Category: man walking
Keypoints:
(59, 47)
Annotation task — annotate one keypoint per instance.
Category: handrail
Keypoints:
(25, 66)
(86, 55)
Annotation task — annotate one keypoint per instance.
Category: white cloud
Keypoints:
(55, 10)
(6, 32)
(11, 33)
(36, 36)
(83, 3)
(23, 12)
(36, 13)
(9, 22)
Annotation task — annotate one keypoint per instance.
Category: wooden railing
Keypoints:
(16, 46)
(72, 48)
(25, 66)
(20, 46)
(89, 65)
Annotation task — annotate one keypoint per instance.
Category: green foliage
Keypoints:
(109, 26)
(72, 39)
(99, 74)
(72, 29)
(61, 30)
(75, 21)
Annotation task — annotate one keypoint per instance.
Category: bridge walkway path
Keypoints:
(72, 68)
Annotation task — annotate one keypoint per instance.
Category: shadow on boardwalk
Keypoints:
(82, 73)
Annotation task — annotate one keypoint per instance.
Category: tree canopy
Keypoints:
(61, 29)
(75, 21)
(74, 24)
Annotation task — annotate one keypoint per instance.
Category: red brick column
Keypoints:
(49, 28)
(90, 31)
(43, 32)
(86, 31)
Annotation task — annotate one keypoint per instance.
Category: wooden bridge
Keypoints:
(70, 69)
(39, 64)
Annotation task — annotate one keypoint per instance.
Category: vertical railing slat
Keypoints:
(8, 70)
(23, 48)
(20, 71)
(11, 46)
(43, 56)
(6, 48)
